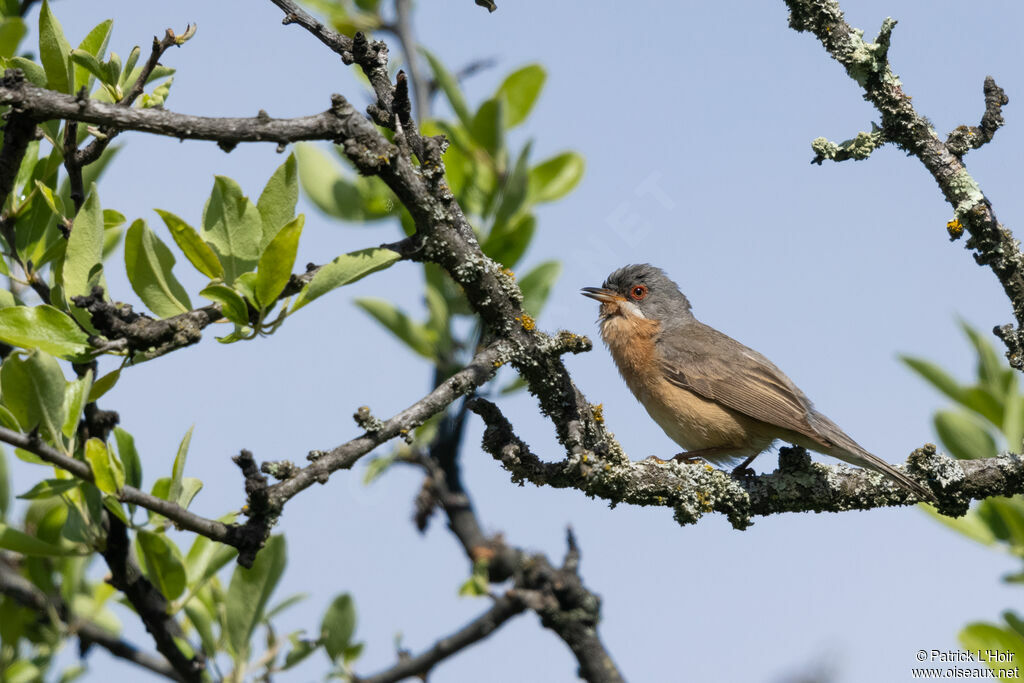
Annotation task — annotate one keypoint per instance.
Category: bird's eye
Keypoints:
(638, 292)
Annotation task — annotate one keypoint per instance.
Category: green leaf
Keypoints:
(991, 367)
(1005, 517)
(536, 286)
(301, 649)
(112, 219)
(507, 243)
(75, 395)
(83, 260)
(20, 542)
(936, 376)
(202, 620)
(5, 486)
(488, 127)
(190, 486)
(12, 30)
(161, 562)
(376, 467)
(344, 270)
(33, 390)
(54, 51)
(94, 44)
(86, 64)
(49, 488)
(338, 625)
(149, 263)
(513, 192)
(477, 585)
(104, 384)
(114, 507)
(233, 227)
(232, 305)
(192, 245)
(205, 559)
(52, 201)
(556, 177)
(416, 336)
(129, 66)
(290, 601)
(351, 198)
(1013, 418)
(107, 471)
(275, 266)
(963, 437)
(519, 93)
(277, 201)
(129, 457)
(178, 470)
(982, 636)
(34, 73)
(248, 593)
(981, 400)
(43, 327)
(450, 88)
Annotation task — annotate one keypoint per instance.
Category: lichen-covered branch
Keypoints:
(40, 105)
(322, 464)
(23, 591)
(798, 485)
(867, 63)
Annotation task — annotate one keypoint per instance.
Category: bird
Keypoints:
(720, 400)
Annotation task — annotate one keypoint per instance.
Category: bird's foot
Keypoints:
(742, 471)
(655, 459)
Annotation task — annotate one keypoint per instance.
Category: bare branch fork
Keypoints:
(867, 63)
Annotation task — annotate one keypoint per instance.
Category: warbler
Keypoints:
(720, 400)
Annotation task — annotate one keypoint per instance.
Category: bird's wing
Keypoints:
(713, 365)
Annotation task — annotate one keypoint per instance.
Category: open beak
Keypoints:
(605, 296)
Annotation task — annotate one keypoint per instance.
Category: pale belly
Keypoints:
(696, 423)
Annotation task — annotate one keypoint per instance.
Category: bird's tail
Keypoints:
(850, 451)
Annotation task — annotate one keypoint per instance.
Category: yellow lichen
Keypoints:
(508, 271)
(598, 411)
(526, 321)
(955, 228)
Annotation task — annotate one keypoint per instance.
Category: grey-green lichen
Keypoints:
(871, 59)
(963, 185)
(859, 147)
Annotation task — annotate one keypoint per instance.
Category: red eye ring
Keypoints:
(638, 292)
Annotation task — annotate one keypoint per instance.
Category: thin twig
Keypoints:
(504, 608)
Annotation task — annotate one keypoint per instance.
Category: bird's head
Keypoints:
(642, 291)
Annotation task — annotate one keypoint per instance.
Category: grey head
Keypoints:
(644, 289)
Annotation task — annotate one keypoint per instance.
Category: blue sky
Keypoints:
(696, 121)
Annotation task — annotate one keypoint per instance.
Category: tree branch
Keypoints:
(477, 372)
(867, 63)
(149, 603)
(217, 531)
(26, 593)
(18, 132)
(41, 105)
(407, 38)
(798, 485)
(503, 609)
